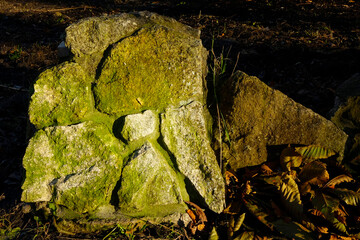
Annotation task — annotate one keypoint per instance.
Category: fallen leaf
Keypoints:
(337, 180)
(191, 215)
(198, 212)
(289, 158)
(314, 152)
(266, 170)
(230, 177)
(314, 173)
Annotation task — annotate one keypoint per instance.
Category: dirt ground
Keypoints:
(305, 48)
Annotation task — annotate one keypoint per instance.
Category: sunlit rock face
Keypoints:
(122, 129)
(259, 117)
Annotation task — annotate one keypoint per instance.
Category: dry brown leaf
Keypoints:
(323, 230)
(320, 180)
(314, 173)
(340, 215)
(230, 176)
(191, 215)
(338, 237)
(316, 212)
(337, 180)
(233, 208)
(289, 159)
(199, 212)
(266, 170)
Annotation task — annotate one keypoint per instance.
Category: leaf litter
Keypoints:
(298, 200)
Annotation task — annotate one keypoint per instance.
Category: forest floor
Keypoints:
(304, 48)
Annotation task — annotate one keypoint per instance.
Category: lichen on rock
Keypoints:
(78, 165)
(62, 96)
(122, 131)
(185, 135)
(149, 186)
(139, 125)
(152, 69)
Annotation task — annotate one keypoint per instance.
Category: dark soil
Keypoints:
(304, 48)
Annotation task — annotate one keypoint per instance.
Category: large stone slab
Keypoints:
(90, 37)
(258, 116)
(186, 136)
(154, 68)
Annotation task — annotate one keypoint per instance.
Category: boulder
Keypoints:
(258, 117)
(122, 131)
(139, 125)
(347, 110)
(192, 152)
(62, 96)
(346, 115)
(144, 189)
(159, 66)
(90, 37)
(75, 166)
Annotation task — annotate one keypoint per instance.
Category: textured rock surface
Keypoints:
(148, 182)
(139, 125)
(121, 130)
(258, 116)
(185, 134)
(159, 66)
(78, 165)
(62, 96)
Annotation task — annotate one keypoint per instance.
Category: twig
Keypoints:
(16, 88)
(60, 9)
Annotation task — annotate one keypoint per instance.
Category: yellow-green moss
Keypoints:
(79, 165)
(62, 96)
(155, 68)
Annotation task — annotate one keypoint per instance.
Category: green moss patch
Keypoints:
(155, 68)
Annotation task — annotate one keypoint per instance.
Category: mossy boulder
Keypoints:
(150, 184)
(75, 166)
(122, 132)
(62, 96)
(258, 118)
(151, 69)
